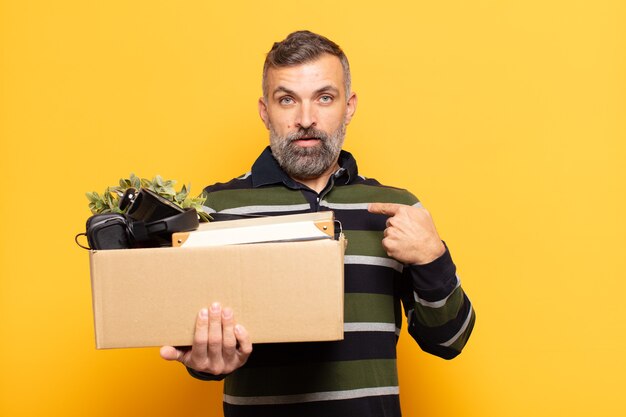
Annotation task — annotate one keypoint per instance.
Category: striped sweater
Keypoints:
(358, 375)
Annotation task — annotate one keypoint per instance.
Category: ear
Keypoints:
(263, 113)
(350, 107)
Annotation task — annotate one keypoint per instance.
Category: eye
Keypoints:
(285, 100)
(326, 99)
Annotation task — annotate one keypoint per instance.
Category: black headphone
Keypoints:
(182, 222)
(150, 222)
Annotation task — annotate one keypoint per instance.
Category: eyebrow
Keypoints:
(281, 89)
(326, 88)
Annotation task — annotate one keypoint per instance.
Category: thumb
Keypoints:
(170, 353)
(388, 209)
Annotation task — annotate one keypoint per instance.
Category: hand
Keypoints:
(219, 345)
(410, 236)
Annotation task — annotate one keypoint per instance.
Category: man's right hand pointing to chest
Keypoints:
(410, 236)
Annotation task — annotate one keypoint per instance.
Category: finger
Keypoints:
(215, 333)
(388, 209)
(170, 353)
(389, 232)
(386, 242)
(245, 344)
(200, 337)
(229, 343)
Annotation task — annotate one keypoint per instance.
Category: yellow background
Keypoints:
(507, 118)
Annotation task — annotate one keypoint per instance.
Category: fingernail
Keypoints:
(215, 307)
(227, 313)
(204, 313)
(238, 329)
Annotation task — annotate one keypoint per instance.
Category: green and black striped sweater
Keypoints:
(356, 376)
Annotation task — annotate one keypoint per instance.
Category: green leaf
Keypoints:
(182, 195)
(117, 192)
(91, 196)
(170, 191)
(107, 198)
(135, 182)
(109, 201)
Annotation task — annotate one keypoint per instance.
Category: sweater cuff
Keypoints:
(205, 376)
(435, 279)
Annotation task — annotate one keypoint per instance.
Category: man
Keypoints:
(395, 257)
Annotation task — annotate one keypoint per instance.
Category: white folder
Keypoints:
(291, 227)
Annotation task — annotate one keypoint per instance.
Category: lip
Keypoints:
(307, 142)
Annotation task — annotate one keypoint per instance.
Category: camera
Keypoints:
(149, 222)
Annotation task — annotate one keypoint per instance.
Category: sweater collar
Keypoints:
(266, 171)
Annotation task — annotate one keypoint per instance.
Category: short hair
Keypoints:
(302, 47)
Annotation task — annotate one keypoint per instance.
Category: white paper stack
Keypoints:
(293, 227)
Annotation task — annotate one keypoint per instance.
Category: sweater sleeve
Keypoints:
(439, 313)
(204, 376)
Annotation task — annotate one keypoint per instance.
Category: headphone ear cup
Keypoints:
(108, 231)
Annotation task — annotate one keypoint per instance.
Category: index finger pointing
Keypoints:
(388, 209)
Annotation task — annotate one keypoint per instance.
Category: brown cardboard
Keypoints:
(280, 292)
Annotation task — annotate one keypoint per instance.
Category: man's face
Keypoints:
(306, 112)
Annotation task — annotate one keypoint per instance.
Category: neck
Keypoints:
(317, 184)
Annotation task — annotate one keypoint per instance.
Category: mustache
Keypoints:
(309, 132)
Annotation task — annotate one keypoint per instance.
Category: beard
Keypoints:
(307, 162)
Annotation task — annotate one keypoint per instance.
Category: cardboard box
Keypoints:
(281, 292)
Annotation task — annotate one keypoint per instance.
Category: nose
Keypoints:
(306, 116)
